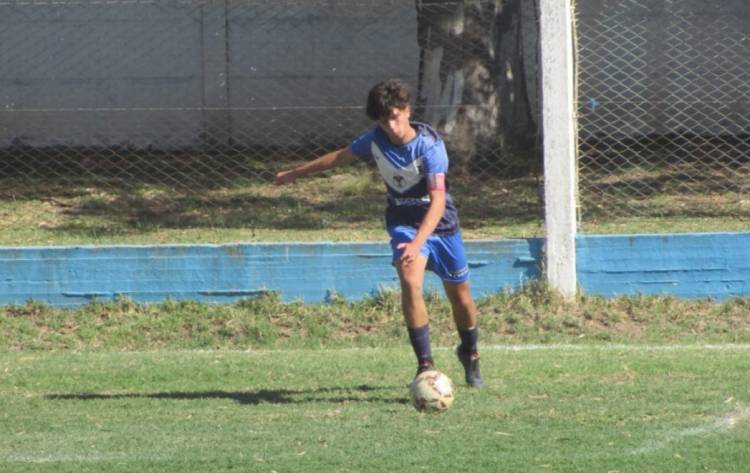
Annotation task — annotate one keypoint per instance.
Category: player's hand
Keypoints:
(285, 177)
(411, 251)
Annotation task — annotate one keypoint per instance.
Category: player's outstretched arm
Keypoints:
(330, 160)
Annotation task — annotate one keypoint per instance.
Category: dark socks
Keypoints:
(468, 339)
(420, 341)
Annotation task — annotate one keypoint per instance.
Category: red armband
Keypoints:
(436, 182)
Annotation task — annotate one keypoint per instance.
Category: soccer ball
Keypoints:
(431, 391)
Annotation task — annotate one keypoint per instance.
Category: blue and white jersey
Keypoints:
(406, 170)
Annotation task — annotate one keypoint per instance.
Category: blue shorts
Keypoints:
(445, 254)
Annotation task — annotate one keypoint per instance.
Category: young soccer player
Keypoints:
(421, 217)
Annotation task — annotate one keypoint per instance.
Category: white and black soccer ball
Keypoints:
(431, 391)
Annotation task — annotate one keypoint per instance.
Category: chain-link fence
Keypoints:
(118, 116)
(121, 115)
(664, 124)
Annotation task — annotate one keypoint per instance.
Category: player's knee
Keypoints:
(460, 295)
(411, 284)
(411, 281)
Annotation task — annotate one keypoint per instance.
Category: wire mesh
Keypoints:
(664, 109)
(132, 114)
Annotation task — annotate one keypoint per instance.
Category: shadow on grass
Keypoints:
(111, 211)
(183, 211)
(354, 202)
(124, 192)
(362, 393)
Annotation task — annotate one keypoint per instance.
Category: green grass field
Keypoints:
(553, 408)
(347, 206)
(641, 384)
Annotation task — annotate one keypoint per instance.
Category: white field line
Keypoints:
(482, 347)
(553, 347)
(493, 347)
(717, 426)
(620, 347)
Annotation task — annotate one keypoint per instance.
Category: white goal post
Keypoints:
(559, 143)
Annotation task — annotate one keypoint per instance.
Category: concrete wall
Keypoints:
(658, 67)
(165, 74)
(69, 276)
(62, 63)
(703, 265)
(309, 68)
(713, 266)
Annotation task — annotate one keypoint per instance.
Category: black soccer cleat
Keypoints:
(470, 361)
(424, 365)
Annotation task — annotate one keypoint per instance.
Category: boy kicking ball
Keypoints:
(421, 217)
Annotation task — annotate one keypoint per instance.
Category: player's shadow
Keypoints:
(362, 393)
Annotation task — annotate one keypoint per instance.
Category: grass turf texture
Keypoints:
(642, 384)
(346, 206)
(555, 408)
(534, 315)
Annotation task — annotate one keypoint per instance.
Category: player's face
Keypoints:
(397, 125)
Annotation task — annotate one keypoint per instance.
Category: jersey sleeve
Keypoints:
(435, 164)
(361, 146)
(436, 160)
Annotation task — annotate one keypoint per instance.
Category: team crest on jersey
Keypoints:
(397, 177)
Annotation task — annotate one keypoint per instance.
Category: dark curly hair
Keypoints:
(385, 96)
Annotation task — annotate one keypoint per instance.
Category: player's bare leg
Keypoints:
(465, 316)
(411, 275)
(462, 303)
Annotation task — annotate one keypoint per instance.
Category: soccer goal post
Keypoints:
(559, 143)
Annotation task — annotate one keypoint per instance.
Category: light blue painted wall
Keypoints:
(715, 265)
(702, 265)
(68, 276)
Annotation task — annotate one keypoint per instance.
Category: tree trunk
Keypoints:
(472, 85)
